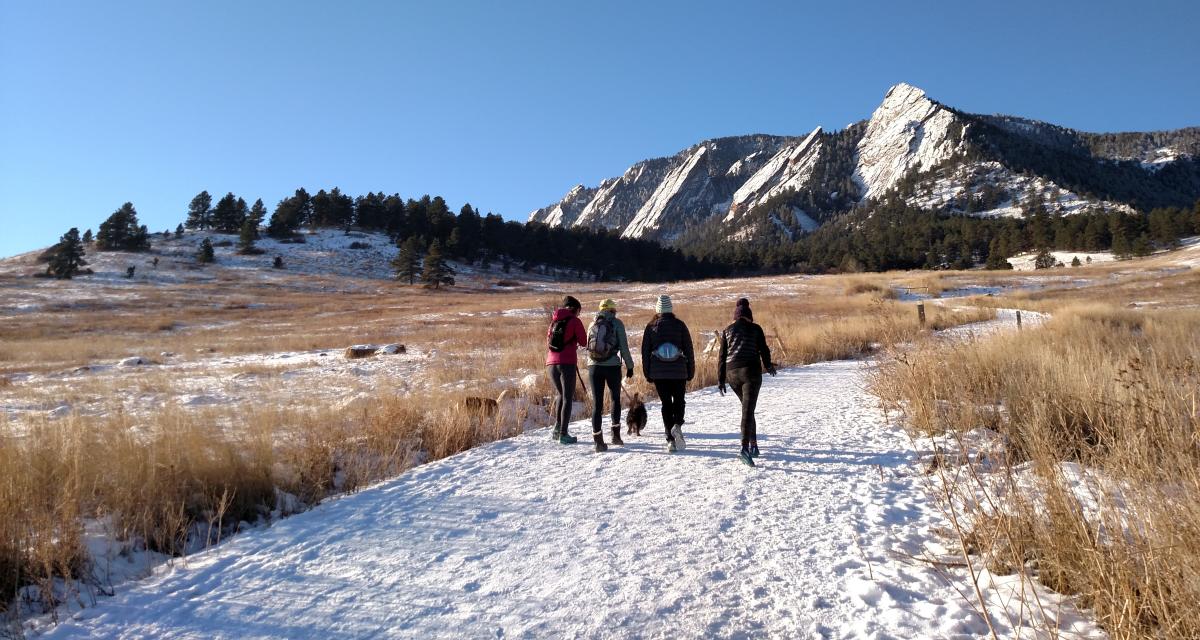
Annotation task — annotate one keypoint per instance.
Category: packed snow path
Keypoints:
(529, 538)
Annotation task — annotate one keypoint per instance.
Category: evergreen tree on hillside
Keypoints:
(290, 214)
(997, 260)
(67, 257)
(437, 271)
(206, 254)
(1044, 260)
(226, 216)
(199, 215)
(179, 231)
(87, 237)
(407, 264)
(258, 213)
(120, 232)
(247, 237)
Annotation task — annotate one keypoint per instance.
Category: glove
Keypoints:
(629, 374)
(771, 370)
(721, 388)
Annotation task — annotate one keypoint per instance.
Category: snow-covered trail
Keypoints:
(528, 538)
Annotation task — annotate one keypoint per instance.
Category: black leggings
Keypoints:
(670, 392)
(746, 383)
(563, 377)
(605, 376)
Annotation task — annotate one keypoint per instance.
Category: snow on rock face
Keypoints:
(788, 169)
(907, 132)
(658, 198)
(567, 211)
(649, 216)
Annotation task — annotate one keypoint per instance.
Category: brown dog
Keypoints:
(635, 419)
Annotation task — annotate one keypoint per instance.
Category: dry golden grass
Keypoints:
(1109, 388)
(174, 477)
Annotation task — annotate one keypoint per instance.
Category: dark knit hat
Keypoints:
(569, 302)
(742, 310)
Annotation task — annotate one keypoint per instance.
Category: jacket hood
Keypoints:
(562, 314)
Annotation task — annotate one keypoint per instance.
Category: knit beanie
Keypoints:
(742, 310)
(569, 302)
(663, 304)
(608, 305)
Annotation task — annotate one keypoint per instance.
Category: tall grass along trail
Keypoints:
(825, 538)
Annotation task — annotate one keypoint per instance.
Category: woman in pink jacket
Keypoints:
(565, 335)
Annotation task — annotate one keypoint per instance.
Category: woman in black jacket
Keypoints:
(668, 361)
(743, 346)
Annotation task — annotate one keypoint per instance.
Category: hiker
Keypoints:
(607, 346)
(565, 336)
(744, 356)
(668, 362)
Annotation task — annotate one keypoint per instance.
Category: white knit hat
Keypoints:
(663, 304)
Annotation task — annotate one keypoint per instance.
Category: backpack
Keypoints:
(602, 339)
(558, 334)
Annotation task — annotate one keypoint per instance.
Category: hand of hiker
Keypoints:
(721, 388)
(629, 374)
(771, 370)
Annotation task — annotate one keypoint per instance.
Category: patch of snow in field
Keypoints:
(1025, 261)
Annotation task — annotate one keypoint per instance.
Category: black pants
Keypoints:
(671, 393)
(605, 376)
(563, 377)
(746, 383)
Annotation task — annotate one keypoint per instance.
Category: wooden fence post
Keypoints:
(1018, 318)
(921, 313)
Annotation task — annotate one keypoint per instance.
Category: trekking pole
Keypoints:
(582, 385)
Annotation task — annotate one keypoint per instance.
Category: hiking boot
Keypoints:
(754, 451)
(671, 446)
(616, 439)
(554, 434)
(677, 433)
(744, 456)
(567, 438)
(598, 438)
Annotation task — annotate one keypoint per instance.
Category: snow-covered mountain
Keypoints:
(929, 154)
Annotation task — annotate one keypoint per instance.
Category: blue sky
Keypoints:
(506, 105)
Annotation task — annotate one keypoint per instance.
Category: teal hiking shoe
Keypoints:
(744, 456)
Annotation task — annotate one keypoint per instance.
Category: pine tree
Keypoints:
(179, 231)
(407, 264)
(68, 256)
(226, 218)
(258, 213)
(437, 270)
(996, 259)
(87, 237)
(121, 232)
(206, 254)
(246, 238)
(199, 215)
(1075, 262)
(1044, 260)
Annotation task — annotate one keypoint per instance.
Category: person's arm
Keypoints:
(580, 333)
(765, 352)
(646, 354)
(689, 352)
(721, 363)
(623, 344)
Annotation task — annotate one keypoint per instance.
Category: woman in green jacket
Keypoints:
(607, 346)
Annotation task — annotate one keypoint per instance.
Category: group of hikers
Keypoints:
(668, 362)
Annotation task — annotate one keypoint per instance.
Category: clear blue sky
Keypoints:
(506, 105)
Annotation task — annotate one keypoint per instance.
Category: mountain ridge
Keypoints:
(932, 154)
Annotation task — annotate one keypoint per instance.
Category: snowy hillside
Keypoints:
(936, 156)
(832, 535)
